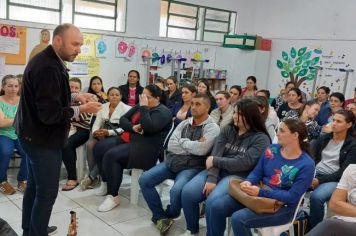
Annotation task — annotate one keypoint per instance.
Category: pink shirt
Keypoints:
(132, 97)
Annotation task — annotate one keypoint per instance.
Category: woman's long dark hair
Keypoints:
(298, 126)
(156, 92)
(248, 108)
(349, 118)
(138, 77)
(90, 90)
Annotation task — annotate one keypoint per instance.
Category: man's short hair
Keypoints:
(60, 29)
(76, 80)
(205, 98)
(225, 93)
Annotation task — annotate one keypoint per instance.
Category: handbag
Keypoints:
(259, 205)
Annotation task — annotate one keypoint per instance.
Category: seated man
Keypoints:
(343, 203)
(333, 153)
(188, 148)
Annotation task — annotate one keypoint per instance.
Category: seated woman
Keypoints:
(336, 102)
(286, 168)
(333, 153)
(283, 95)
(251, 88)
(104, 133)
(204, 88)
(294, 102)
(235, 94)
(235, 153)
(173, 92)
(9, 100)
(223, 114)
(146, 126)
(307, 115)
(343, 204)
(270, 115)
(96, 87)
(78, 135)
(132, 89)
(181, 110)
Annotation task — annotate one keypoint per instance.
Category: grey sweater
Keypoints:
(236, 154)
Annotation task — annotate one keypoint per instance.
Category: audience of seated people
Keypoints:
(9, 100)
(201, 158)
(333, 152)
(78, 135)
(235, 94)
(173, 92)
(294, 102)
(343, 204)
(203, 87)
(181, 110)
(235, 153)
(105, 130)
(251, 88)
(188, 148)
(132, 89)
(145, 126)
(222, 115)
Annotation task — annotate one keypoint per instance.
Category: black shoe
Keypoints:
(51, 230)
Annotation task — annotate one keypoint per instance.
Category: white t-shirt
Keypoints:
(348, 183)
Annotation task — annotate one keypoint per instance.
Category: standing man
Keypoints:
(42, 124)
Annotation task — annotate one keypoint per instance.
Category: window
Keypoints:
(189, 21)
(92, 14)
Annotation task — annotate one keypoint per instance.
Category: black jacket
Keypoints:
(176, 97)
(125, 93)
(44, 113)
(145, 149)
(347, 156)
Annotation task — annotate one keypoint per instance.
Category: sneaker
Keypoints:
(21, 186)
(6, 188)
(109, 203)
(85, 183)
(102, 190)
(163, 225)
(51, 230)
(95, 183)
(187, 233)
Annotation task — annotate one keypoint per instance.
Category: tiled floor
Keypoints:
(126, 219)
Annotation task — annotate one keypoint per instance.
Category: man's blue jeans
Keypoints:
(44, 166)
(318, 198)
(7, 147)
(156, 175)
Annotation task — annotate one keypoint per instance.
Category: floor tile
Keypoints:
(9, 212)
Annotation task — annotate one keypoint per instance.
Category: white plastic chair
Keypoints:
(81, 160)
(136, 174)
(277, 230)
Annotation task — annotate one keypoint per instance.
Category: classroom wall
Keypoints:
(323, 24)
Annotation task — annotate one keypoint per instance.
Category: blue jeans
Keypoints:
(192, 195)
(244, 219)
(219, 206)
(44, 166)
(7, 147)
(154, 177)
(318, 198)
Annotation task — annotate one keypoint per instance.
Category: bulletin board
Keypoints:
(14, 43)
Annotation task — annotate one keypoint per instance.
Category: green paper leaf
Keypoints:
(293, 53)
(286, 66)
(279, 64)
(285, 56)
(303, 72)
(285, 74)
(315, 61)
(306, 64)
(307, 55)
(311, 77)
(302, 51)
(296, 70)
(299, 61)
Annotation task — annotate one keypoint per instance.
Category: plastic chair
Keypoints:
(136, 173)
(81, 160)
(277, 230)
